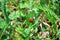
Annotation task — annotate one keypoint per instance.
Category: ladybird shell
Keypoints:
(31, 20)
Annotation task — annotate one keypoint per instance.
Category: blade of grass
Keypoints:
(3, 6)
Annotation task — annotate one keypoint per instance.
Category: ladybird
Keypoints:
(31, 20)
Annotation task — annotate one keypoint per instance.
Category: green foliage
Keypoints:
(15, 19)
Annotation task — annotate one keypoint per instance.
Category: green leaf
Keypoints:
(58, 34)
(21, 31)
(43, 29)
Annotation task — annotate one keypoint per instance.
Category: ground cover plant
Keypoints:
(29, 20)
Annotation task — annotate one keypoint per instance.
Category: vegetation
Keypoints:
(29, 20)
